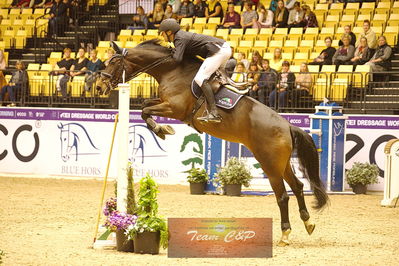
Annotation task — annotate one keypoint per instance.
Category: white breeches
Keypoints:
(213, 63)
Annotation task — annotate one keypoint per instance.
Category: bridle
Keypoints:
(113, 82)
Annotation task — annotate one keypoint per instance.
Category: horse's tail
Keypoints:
(309, 164)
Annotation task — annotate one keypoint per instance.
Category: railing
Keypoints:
(356, 92)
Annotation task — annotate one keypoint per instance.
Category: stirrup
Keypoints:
(209, 117)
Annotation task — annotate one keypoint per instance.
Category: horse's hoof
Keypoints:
(309, 226)
(283, 243)
(168, 130)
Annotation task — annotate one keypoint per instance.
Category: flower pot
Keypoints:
(233, 189)
(147, 243)
(359, 189)
(197, 188)
(122, 243)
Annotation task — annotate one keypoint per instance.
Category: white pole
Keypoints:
(123, 141)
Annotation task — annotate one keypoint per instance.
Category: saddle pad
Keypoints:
(224, 98)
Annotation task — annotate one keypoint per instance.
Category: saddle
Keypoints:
(226, 81)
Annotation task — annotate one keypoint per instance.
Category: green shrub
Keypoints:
(197, 175)
(234, 172)
(362, 173)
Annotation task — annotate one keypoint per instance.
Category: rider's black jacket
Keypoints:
(195, 44)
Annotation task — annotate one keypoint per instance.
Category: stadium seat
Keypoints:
(130, 44)
(351, 8)
(213, 22)
(184, 22)
(275, 44)
(311, 34)
(223, 33)
(54, 58)
(236, 34)
(290, 46)
(77, 86)
(199, 23)
(124, 35)
(280, 34)
(336, 9)
(260, 46)
(300, 58)
(137, 35)
(26, 13)
(245, 46)
(379, 20)
(393, 19)
(287, 56)
(210, 32)
(306, 46)
(295, 69)
(14, 13)
(365, 70)
(151, 34)
(8, 38)
(250, 34)
(338, 89)
(391, 33)
(20, 38)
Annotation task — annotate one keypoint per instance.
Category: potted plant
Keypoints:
(361, 175)
(197, 179)
(119, 222)
(150, 231)
(232, 176)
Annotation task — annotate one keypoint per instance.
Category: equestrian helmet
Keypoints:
(169, 24)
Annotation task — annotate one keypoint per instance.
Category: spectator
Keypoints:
(256, 59)
(186, 10)
(175, 5)
(277, 61)
(156, 16)
(249, 16)
(241, 58)
(266, 83)
(381, 59)
(18, 81)
(347, 30)
(303, 84)
(369, 34)
(3, 65)
(231, 19)
(265, 18)
(362, 53)
(325, 57)
(214, 9)
(253, 74)
(58, 19)
(169, 12)
(289, 4)
(285, 85)
(42, 3)
(273, 6)
(164, 3)
(93, 66)
(310, 18)
(80, 65)
(140, 20)
(344, 53)
(296, 17)
(280, 16)
(199, 8)
(239, 74)
(62, 68)
(110, 54)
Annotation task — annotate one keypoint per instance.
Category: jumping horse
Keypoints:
(270, 137)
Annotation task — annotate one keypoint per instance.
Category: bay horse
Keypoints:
(270, 137)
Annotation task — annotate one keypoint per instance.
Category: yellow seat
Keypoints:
(290, 46)
(266, 31)
(130, 44)
(313, 55)
(213, 22)
(137, 36)
(260, 46)
(33, 69)
(295, 68)
(199, 24)
(236, 34)
(351, 8)
(4, 13)
(300, 58)
(222, 33)
(77, 86)
(345, 72)
(54, 58)
(331, 21)
(41, 27)
(268, 56)
(306, 46)
(26, 13)
(287, 56)
(338, 89)
(245, 46)
(210, 32)
(20, 38)
(326, 32)
(250, 34)
(311, 34)
(365, 70)
(8, 38)
(184, 22)
(320, 88)
(295, 32)
(379, 20)
(124, 35)
(275, 44)
(393, 19)
(377, 30)
(38, 12)
(2, 45)
(14, 13)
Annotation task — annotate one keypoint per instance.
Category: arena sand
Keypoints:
(51, 222)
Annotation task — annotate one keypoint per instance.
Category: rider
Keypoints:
(215, 51)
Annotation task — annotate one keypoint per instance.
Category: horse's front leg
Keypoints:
(157, 107)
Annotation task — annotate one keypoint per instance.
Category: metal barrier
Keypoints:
(353, 90)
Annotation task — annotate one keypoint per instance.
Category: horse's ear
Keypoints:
(117, 49)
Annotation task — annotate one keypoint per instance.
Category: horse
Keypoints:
(270, 137)
(71, 143)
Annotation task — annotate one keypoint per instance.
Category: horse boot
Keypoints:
(212, 113)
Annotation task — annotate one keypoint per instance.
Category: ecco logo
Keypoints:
(19, 156)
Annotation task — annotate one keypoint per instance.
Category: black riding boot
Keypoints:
(212, 113)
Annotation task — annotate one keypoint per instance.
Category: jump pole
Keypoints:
(105, 180)
(123, 142)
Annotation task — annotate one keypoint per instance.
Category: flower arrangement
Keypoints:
(147, 206)
(234, 172)
(119, 221)
(362, 173)
(197, 175)
(110, 206)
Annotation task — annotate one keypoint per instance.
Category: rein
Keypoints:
(136, 73)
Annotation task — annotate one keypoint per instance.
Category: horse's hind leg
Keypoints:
(157, 107)
(297, 188)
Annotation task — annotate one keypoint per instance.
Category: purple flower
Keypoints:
(110, 206)
(120, 220)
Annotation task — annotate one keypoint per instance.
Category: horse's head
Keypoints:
(64, 138)
(113, 72)
(145, 57)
